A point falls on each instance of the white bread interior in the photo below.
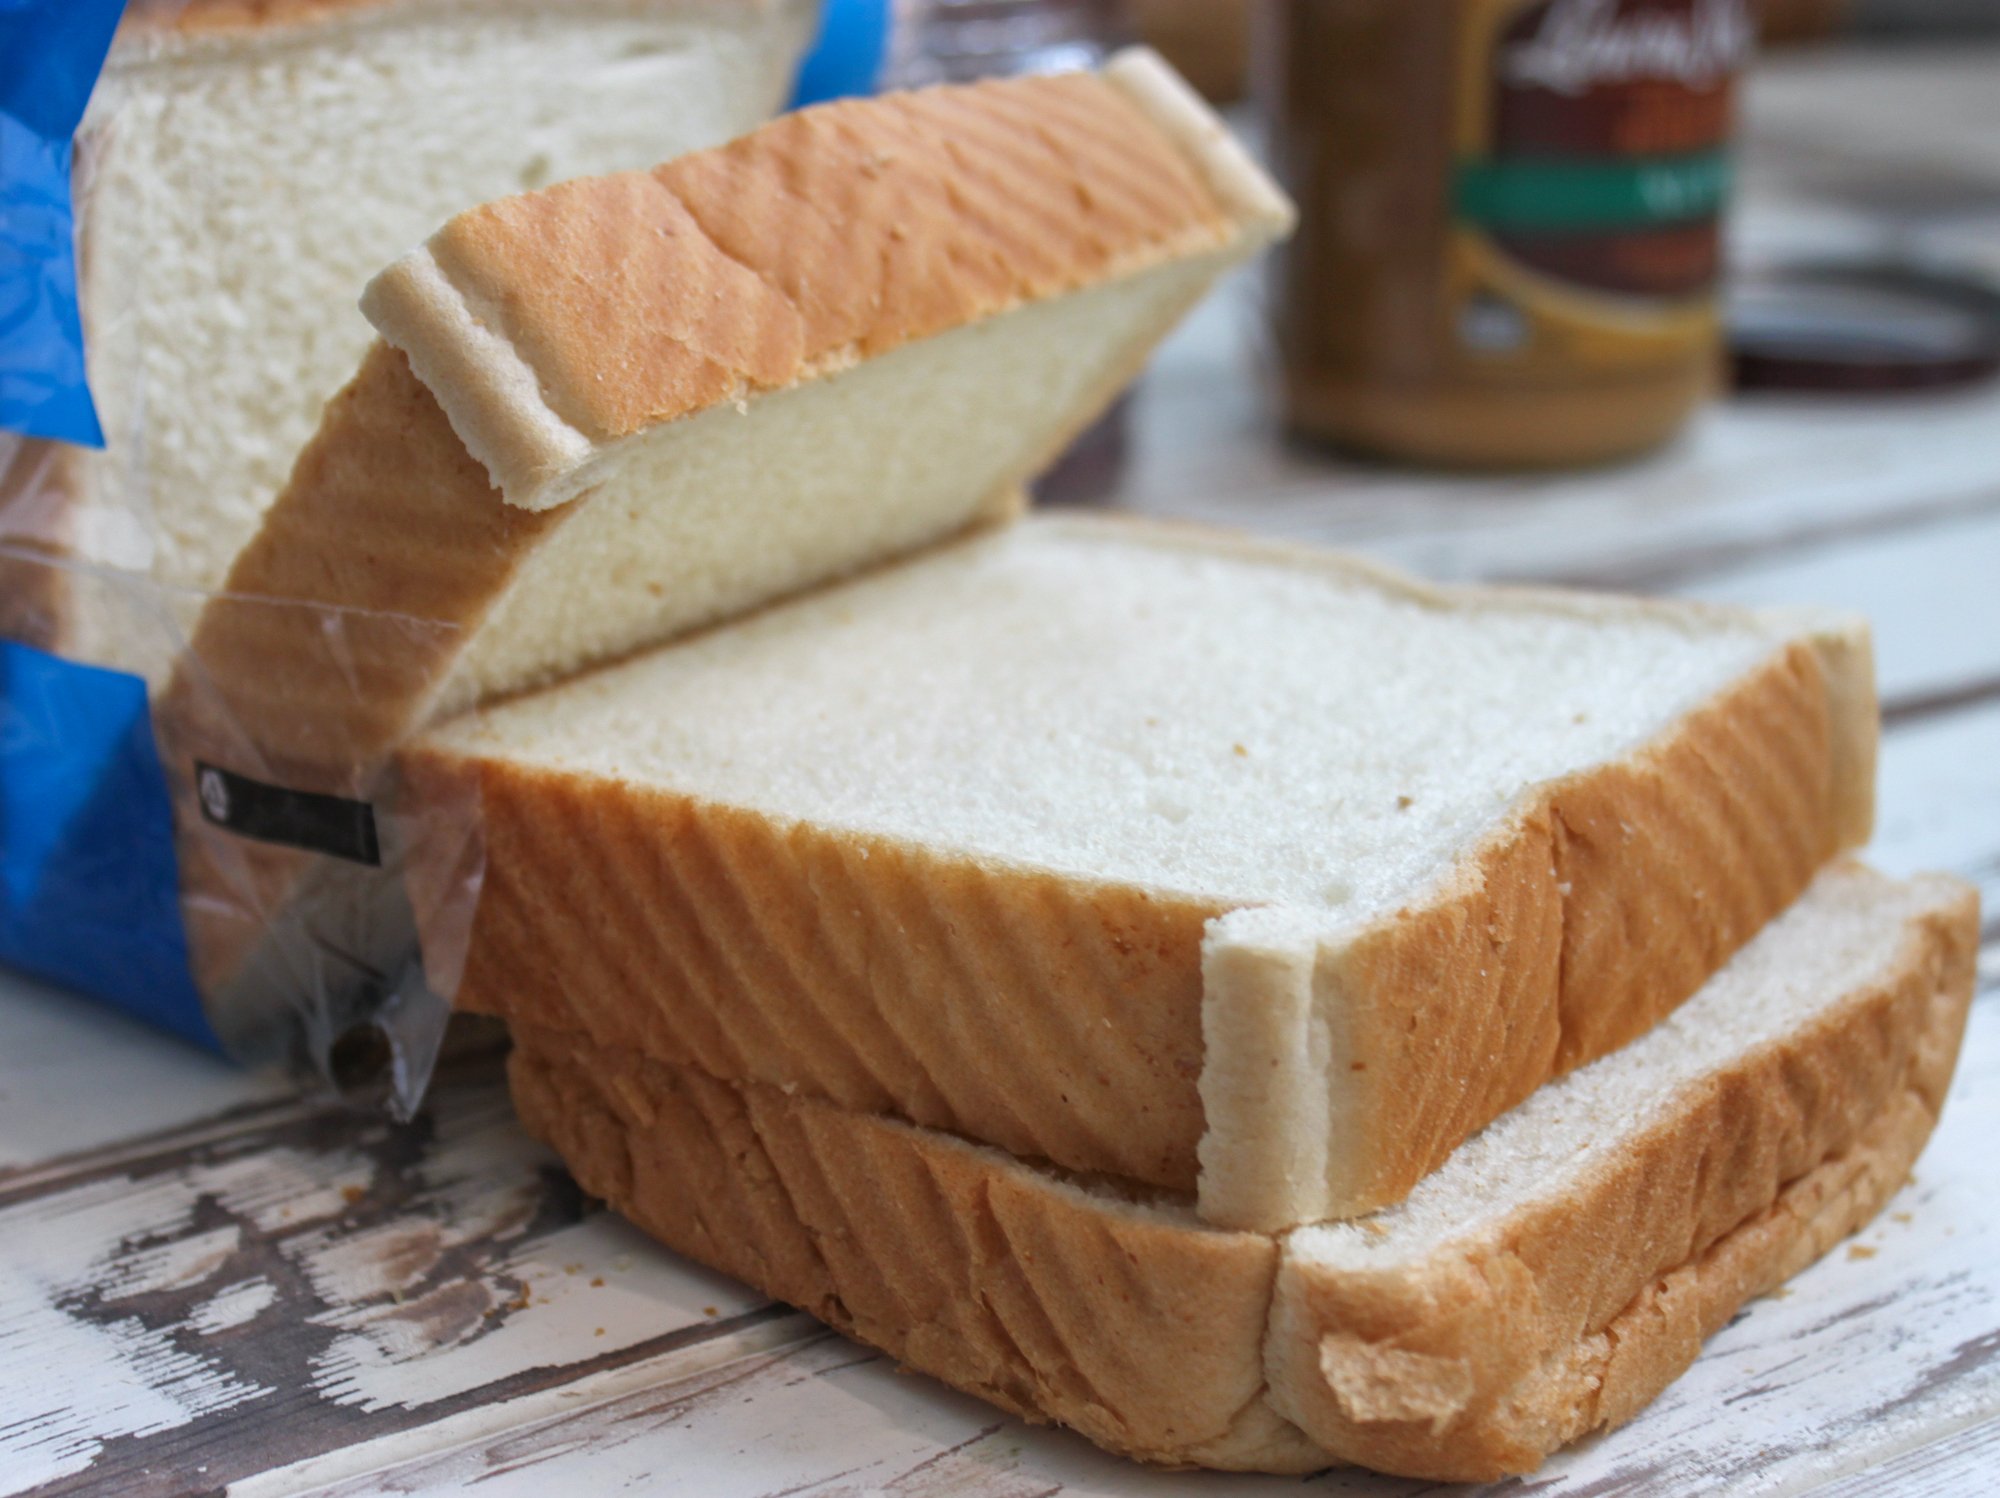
(243, 174)
(703, 518)
(1121, 818)
(1551, 1278)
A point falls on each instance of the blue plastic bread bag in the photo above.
(88, 894)
(50, 54)
(848, 55)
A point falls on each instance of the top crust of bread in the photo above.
(829, 236)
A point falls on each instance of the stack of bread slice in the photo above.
(1251, 1007)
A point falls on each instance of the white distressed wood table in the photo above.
(207, 1284)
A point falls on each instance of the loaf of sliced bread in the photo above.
(244, 167)
(1185, 859)
(1548, 1281)
(621, 408)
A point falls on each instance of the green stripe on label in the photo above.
(1634, 192)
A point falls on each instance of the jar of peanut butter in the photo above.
(1509, 239)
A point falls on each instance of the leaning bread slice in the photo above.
(620, 408)
(1548, 1281)
(1183, 859)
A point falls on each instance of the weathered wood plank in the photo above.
(74, 1075)
(248, 1296)
(1932, 593)
(1966, 1462)
(1818, 1381)
(1749, 480)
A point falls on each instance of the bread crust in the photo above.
(1070, 1020)
(1525, 1335)
(828, 236)
(1118, 1313)
(1055, 1020)
(40, 486)
(34, 599)
(1610, 899)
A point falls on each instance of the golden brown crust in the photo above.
(34, 599)
(1050, 1019)
(1590, 919)
(39, 485)
(830, 235)
(840, 232)
(1528, 1335)
(1162, 1338)
(196, 16)
(1142, 1331)
(308, 675)
(1062, 1019)
(325, 654)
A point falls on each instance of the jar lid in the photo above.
(1861, 327)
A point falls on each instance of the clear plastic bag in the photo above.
(156, 857)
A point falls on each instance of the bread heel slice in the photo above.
(1547, 1281)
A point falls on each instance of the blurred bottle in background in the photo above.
(1509, 249)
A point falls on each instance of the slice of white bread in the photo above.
(843, 336)
(1175, 857)
(244, 167)
(1548, 1281)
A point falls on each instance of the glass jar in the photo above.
(1509, 238)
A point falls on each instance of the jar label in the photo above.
(1591, 169)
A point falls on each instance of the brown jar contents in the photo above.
(1510, 221)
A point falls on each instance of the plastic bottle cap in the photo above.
(1862, 328)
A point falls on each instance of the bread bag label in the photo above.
(1591, 169)
(305, 820)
